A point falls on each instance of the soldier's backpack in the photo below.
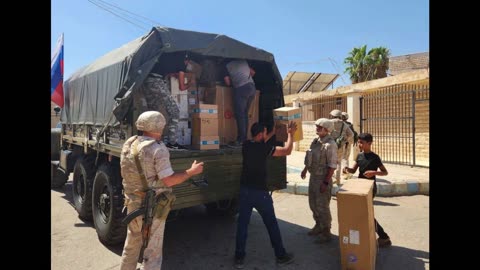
(340, 140)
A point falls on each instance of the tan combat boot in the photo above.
(315, 230)
(324, 237)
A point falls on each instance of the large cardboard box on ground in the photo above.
(283, 116)
(356, 228)
(205, 142)
(222, 96)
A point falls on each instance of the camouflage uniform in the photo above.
(346, 133)
(155, 160)
(347, 150)
(323, 156)
(157, 93)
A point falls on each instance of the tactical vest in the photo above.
(316, 158)
(131, 177)
(339, 134)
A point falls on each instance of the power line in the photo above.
(123, 14)
(138, 15)
(109, 10)
(335, 66)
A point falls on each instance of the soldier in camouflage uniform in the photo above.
(156, 90)
(348, 146)
(340, 129)
(155, 161)
(321, 161)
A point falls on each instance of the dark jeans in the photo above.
(242, 99)
(262, 201)
(378, 228)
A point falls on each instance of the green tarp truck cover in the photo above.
(102, 91)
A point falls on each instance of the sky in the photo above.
(303, 36)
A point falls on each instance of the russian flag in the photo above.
(56, 89)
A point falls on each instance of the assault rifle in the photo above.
(150, 205)
(149, 202)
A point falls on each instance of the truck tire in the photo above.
(224, 208)
(58, 175)
(108, 204)
(83, 173)
(55, 143)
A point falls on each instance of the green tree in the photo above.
(363, 66)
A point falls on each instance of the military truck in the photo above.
(100, 112)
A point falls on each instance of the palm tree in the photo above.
(379, 59)
(356, 61)
(364, 66)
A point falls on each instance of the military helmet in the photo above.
(345, 115)
(325, 123)
(151, 121)
(336, 113)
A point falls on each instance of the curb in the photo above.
(297, 186)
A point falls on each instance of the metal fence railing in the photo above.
(398, 119)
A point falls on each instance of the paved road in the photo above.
(196, 241)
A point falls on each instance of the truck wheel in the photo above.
(108, 205)
(83, 173)
(55, 143)
(227, 208)
(59, 177)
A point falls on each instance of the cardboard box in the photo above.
(192, 97)
(182, 102)
(222, 96)
(204, 111)
(356, 232)
(283, 116)
(205, 142)
(227, 124)
(184, 133)
(204, 127)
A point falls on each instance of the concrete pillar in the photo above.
(353, 110)
(297, 103)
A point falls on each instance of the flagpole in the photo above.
(56, 71)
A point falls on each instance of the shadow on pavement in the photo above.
(195, 240)
(375, 202)
(401, 258)
(67, 192)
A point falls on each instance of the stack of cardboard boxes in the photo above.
(198, 125)
(205, 127)
(227, 124)
(184, 131)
